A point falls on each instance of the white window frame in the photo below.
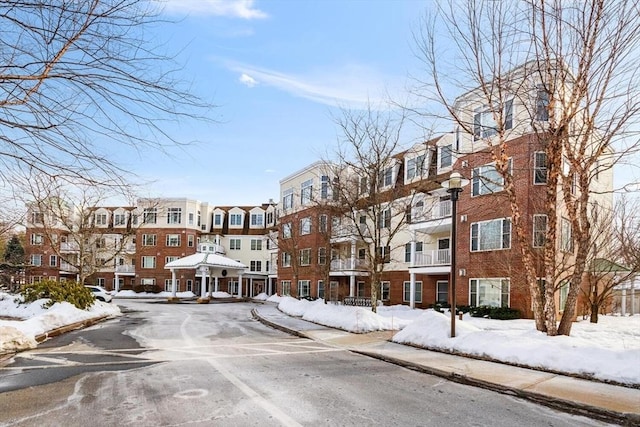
(150, 216)
(486, 179)
(439, 292)
(235, 220)
(235, 244)
(566, 235)
(539, 168)
(415, 167)
(147, 238)
(173, 240)
(148, 261)
(540, 225)
(286, 230)
(35, 260)
(406, 291)
(306, 192)
(305, 257)
(497, 285)
(285, 287)
(483, 243)
(287, 199)
(320, 289)
(257, 219)
(286, 259)
(385, 290)
(255, 266)
(484, 125)
(174, 215)
(305, 226)
(100, 218)
(256, 244)
(37, 239)
(304, 288)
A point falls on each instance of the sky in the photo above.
(279, 72)
(608, 350)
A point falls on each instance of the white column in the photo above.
(174, 284)
(251, 287)
(240, 285)
(216, 282)
(352, 285)
(117, 284)
(203, 284)
(352, 261)
(210, 284)
(412, 290)
(623, 303)
(633, 299)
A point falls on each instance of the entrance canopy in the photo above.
(208, 263)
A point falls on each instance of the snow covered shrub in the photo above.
(71, 292)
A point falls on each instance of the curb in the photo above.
(67, 328)
(568, 406)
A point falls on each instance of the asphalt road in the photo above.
(212, 365)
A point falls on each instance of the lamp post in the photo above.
(454, 187)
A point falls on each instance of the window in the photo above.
(148, 240)
(407, 250)
(286, 259)
(232, 287)
(385, 291)
(119, 219)
(323, 221)
(36, 239)
(406, 292)
(256, 244)
(169, 259)
(486, 180)
(362, 253)
(100, 281)
(101, 242)
(234, 244)
(100, 219)
(384, 253)
(305, 226)
(287, 199)
(446, 156)
(386, 177)
(324, 187)
(442, 291)
(217, 220)
(305, 256)
(190, 240)
(360, 289)
(304, 288)
(199, 218)
(415, 167)
(235, 219)
(168, 285)
(306, 191)
(191, 218)
(53, 261)
(286, 287)
(539, 230)
(320, 289)
(286, 230)
(173, 240)
(484, 125)
(566, 238)
(542, 104)
(150, 215)
(189, 285)
(257, 219)
(363, 186)
(174, 215)
(540, 167)
(384, 221)
(564, 293)
(270, 217)
(148, 282)
(491, 292)
(37, 217)
(255, 266)
(491, 235)
(322, 256)
(148, 262)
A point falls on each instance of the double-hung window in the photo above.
(305, 256)
(304, 288)
(256, 244)
(386, 177)
(491, 235)
(150, 215)
(286, 259)
(255, 266)
(174, 215)
(287, 199)
(234, 244)
(306, 191)
(305, 226)
(36, 259)
(566, 235)
(486, 179)
(324, 187)
(446, 156)
(540, 167)
(257, 220)
(542, 104)
(286, 230)
(406, 292)
(415, 167)
(539, 230)
(148, 240)
(148, 262)
(385, 219)
(484, 124)
(235, 220)
(173, 240)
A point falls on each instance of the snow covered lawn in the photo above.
(608, 350)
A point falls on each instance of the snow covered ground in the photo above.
(608, 350)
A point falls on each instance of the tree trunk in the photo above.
(594, 313)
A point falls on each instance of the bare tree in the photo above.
(573, 67)
(70, 222)
(370, 198)
(80, 79)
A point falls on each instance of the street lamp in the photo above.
(454, 187)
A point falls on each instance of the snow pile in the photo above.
(261, 297)
(33, 320)
(164, 294)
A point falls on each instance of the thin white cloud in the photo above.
(243, 9)
(247, 80)
(351, 85)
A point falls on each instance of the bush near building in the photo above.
(71, 292)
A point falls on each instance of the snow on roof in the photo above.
(204, 259)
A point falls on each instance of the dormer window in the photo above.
(257, 219)
(217, 220)
(386, 177)
(235, 219)
(415, 167)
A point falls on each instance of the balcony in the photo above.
(431, 258)
(69, 247)
(348, 264)
(125, 269)
(345, 232)
(65, 267)
(435, 218)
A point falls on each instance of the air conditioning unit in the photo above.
(462, 272)
(463, 218)
(465, 164)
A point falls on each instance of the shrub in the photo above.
(499, 313)
(152, 289)
(71, 292)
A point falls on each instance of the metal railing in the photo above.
(439, 210)
(434, 257)
(125, 269)
(348, 264)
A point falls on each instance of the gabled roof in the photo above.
(204, 259)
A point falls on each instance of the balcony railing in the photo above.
(69, 247)
(348, 264)
(439, 210)
(66, 267)
(125, 269)
(348, 230)
(434, 257)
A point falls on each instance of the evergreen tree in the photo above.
(14, 252)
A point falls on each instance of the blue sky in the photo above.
(278, 70)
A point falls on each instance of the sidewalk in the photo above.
(592, 399)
